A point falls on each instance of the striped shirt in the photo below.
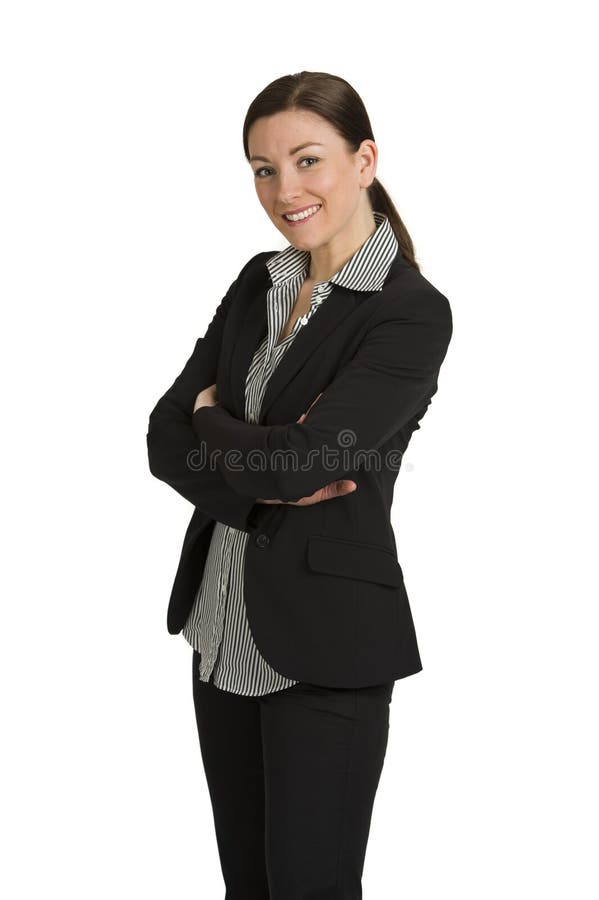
(217, 626)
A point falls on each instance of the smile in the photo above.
(304, 216)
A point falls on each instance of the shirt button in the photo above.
(320, 288)
(262, 540)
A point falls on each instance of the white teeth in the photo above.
(302, 215)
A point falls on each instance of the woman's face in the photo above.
(299, 161)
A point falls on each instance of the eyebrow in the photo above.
(291, 152)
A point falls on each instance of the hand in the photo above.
(328, 492)
(207, 397)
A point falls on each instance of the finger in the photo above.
(342, 487)
(312, 404)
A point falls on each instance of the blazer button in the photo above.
(262, 540)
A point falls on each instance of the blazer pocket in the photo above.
(353, 559)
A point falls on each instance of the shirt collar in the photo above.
(366, 270)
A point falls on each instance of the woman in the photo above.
(289, 589)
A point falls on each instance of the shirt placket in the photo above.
(318, 295)
(223, 585)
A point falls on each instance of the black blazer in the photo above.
(324, 590)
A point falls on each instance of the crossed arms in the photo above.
(392, 376)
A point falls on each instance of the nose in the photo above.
(289, 187)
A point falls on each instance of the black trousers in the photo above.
(292, 778)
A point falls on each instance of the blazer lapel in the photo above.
(339, 304)
(253, 328)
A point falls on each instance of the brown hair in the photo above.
(335, 100)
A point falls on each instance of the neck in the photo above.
(330, 257)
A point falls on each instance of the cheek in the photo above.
(264, 194)
(334, 188)
(324, 184)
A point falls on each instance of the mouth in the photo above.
(303, 216)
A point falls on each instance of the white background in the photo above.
(127, 208)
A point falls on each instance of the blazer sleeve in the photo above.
(174, 452)
(391, 377)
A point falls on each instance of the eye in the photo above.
(314, 159)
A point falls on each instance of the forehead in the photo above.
(285, 131)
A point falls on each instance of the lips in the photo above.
(294, 212)
(306, 218)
